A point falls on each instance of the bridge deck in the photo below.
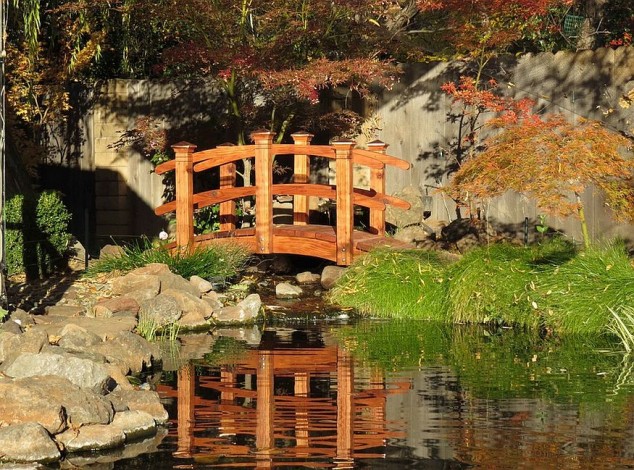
(308, 240)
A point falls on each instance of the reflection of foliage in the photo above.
(495, 363)
(226, 351)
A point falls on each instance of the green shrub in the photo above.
(578, 296)
(37, 236)
(396, 284)
(211, 261)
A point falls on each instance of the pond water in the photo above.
(395, 395)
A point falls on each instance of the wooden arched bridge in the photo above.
(340, 243)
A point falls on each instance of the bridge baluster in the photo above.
(377, 183)
(263, 198)
(227, 208)
(345, 206)
(301, 174)
(184, 193)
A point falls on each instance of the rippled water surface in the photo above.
(395, 395)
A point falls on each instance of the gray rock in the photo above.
(414, 234)
(161, 311)
(22, 317)
(28, 442)
(251, 305)
(308, 278)
(111, 251)
(203, 285)
(129, 350)
(189, 303)
(7, 342)
(135, 424)
(132, 282)
(176, 282)
(11, 326)
(330, 275)
(105, 328)
(64, 310)
(32, 341)
(142, 294)
(82, 372)
(404, 217)
(245, 311)
(77, 338)
(192, 320)
(91, 438)
(33, 407)
(284, 290)
(141, 400)
(82, 406)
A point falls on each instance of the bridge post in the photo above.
(263, 199)
(227, 208)
(184, 193)
(345, 206)
(377, 183)
(301, 174)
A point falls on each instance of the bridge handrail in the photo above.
(188, 161)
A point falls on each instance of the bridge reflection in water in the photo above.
(279, 406)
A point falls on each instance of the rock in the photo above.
(245, 311)
(404, 217)
(33, 407)
(176, 282)
(141, 400)
(77, 261)
(308, 278)
(111, 251)
(32, 341)
(64, 310)
(82, 406)
(77, 338)
(192, 320)
(132, 282)
(284, 290)
(131, 350)
(11, 326)
(28, 442)
(330, 275)
(203, 285)
(281, 264)
(135, 424)
(105, 328)
(153, 269)
(22, 317)
(107, 308)
(189, 304)
(91, 438)
(413, 234)
(6, 344)
(82, 372)
(212, 299)
(161, 311)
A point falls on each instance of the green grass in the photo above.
(497, 284)
(548, 286)
(579, 295)
(395, 284)
(223, 261)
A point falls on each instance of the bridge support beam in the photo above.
(263, 196)
(345, 206)
(184, 193)
(227, 208)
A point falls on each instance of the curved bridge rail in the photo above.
(340, 243)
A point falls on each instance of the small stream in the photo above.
(394, 394)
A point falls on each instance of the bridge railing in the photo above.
(263, 150)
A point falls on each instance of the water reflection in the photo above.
(403, 396)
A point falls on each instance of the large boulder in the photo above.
(140, 400)
(160, 311)
(330, 275)
(20, 404)
(404, 217)
(133, 282)
(245, 311)
(174, 281)
(91, 438)
(134, 424)
(77, 338)
(27, 442)
(82, 372)
(107, 308)
(130, 351)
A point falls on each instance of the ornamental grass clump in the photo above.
(498, 283)
(395, 284)
(212, 261)
(579, 296)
